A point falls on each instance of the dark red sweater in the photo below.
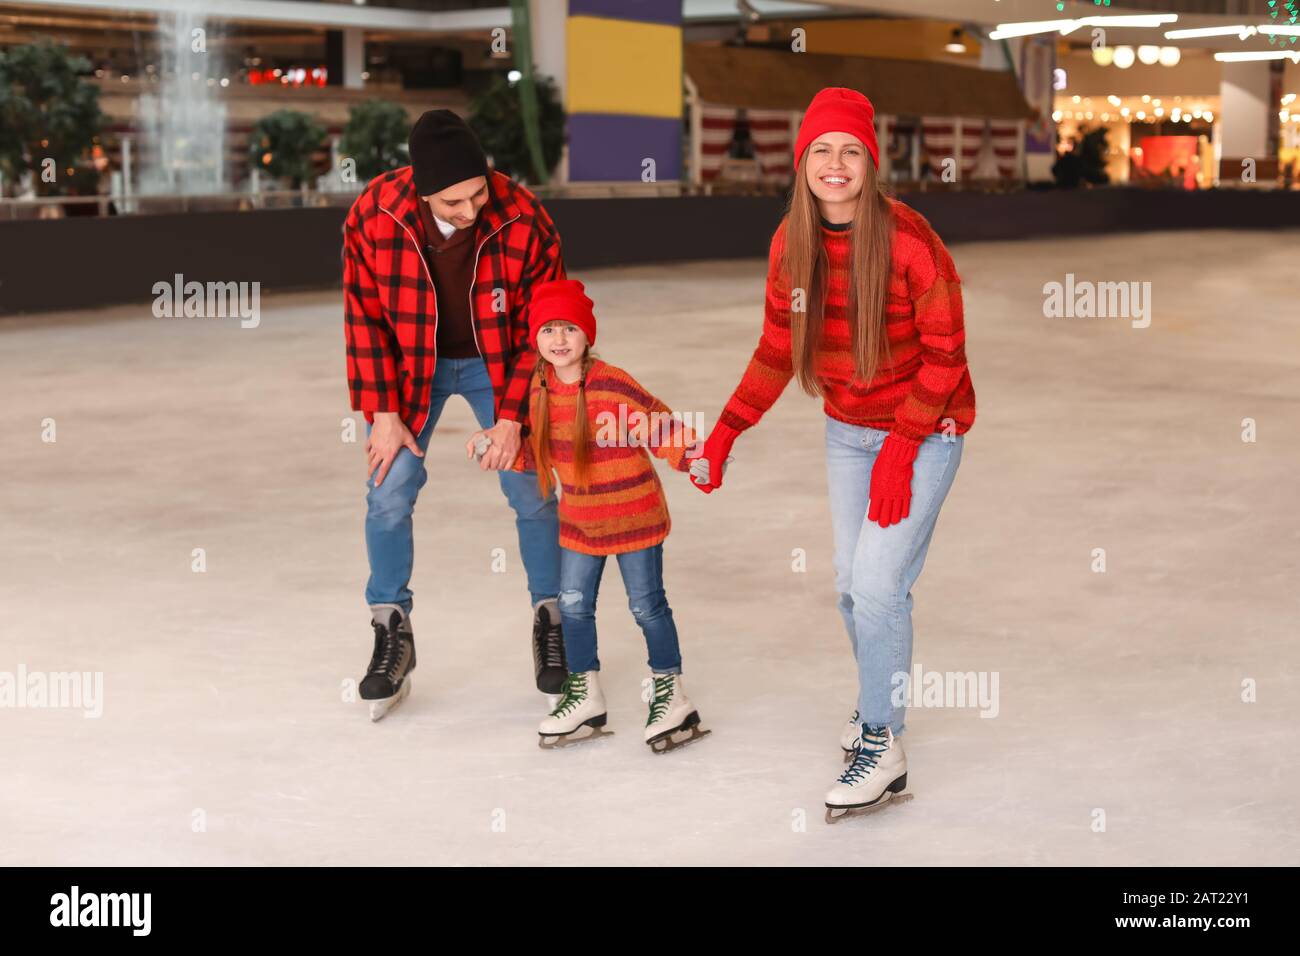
(451, 262)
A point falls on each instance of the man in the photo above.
(438, 261)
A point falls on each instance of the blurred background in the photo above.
(118, 108)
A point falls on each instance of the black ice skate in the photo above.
(549, 667)
(388, 679)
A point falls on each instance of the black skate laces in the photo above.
(388, 651)
(574, 691)
(663, 696)
(548, 640)
(865, 757)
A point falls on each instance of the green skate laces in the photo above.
(663, 696)
(865, 757)
(574, 691)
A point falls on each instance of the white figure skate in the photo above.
(876, 777)
(673, 722)
(580, 715)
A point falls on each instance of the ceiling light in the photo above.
(1280, 29)
(1293, 56)
(1242, 31)
(1066, 27)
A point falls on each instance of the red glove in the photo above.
(891, 480)
(716, 450)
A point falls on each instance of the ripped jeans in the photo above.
(643, 579)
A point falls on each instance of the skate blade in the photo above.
(839, 814)
(379, 708)
(584, 734)
(671, 742)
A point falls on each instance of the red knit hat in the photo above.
(564, 299)
(838, 110)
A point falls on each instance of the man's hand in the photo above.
(388, 436)
(501, 454)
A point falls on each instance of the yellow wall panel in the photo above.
(621, 66)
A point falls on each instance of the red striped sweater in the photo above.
(623, 508)
(928, 381)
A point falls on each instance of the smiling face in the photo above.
(561, 343)
(460, 204)
(835, 167)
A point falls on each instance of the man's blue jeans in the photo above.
(389, 541)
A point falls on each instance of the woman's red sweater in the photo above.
(927, 385)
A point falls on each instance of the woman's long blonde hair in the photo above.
(804, 266)
(539, 414)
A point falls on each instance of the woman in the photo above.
(864, 308)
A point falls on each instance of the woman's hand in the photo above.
(891, 480)
(700, 469)
(715, 453)
(388, 436)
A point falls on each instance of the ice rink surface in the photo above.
(1120, 736)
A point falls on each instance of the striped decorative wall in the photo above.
(771, 131)
(941, 135)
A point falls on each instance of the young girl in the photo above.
(591, 424)
(864, 307)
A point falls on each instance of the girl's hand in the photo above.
(502, 446)
(700, 469)
(477, 445)
(715, 453)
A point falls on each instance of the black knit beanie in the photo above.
(444, 152)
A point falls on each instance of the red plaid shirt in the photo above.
(390, 310)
